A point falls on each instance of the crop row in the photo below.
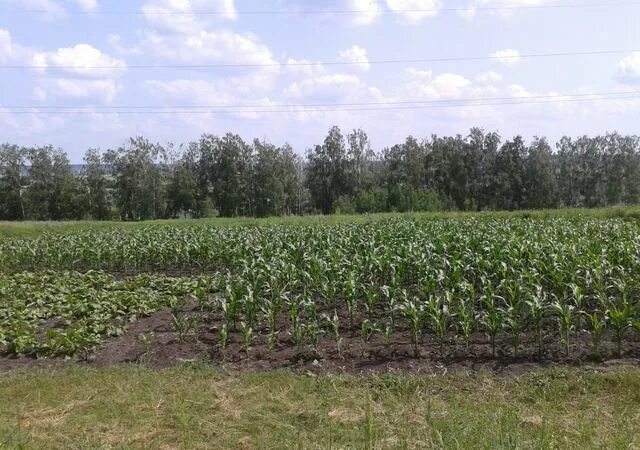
(63, 313)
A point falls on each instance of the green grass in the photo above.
(196, 407)
(26, 229)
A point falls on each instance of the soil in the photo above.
(153, 342)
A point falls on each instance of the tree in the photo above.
(139, 186)
(40, 183)
(11, 175)
(95, 186)
(509, 185)
(539, 176)
(328, 171)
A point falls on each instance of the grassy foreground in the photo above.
(187, 407)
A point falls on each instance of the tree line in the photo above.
(226, 176)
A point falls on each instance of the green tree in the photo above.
(11, 178)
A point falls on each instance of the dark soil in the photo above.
(153, 342)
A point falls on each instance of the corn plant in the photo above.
(537, 306)
(437, 315)
(565, 314)
(412, 311)
(598, 322)
(223, 334)
(621, 318)
(183, 324)
(492, 317)
(333, 325)
(247, 336)
(465, 315)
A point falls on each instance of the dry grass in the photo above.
(193, 407)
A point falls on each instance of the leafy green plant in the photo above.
(565, 314)
(620, 318)
(412, 312)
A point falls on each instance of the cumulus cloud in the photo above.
(507, 57)
(502, 8)
(356, 55)
(103, 91)
(87, 5)
(51, 7)
(368, 11)
(10, 51)
(415, 11)
(80, 60)
(209, 46)
(628, 70)
(336, 87)
(304, 67)
(177, 15)
(488, 77)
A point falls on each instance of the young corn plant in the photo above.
(412, 311)
(370, 297)
(297, 328)
(249, 305)
(492, 321)
(565, 313)
(598, 323)
(579, 301)
(437, 315)
(620, 317)
(333, 326)
(183, 324)
(271, 309)
(351, 299)
(537, 306)
(223, 334)
(367, 330)
(247, 336)
(466, 316)
(514, 323)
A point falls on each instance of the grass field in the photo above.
(193, 408)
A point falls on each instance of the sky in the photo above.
(82, 74)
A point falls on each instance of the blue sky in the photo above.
(55, 42)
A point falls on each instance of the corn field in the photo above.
(542, 286)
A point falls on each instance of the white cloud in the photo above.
(101, 90)
(356, 54)
(304, 66)
(10, 51)
(337, 87)
(79, 59)
(51, 7)
(176, 15)
(415, 11)
(87, 5)
(369, 10)
(201, 92)
(209, 46)
(507, 57)
(502, 8)
(489, 77)
(181, 36)
(628, 70)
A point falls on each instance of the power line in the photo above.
(331, 12)
(323, 105)
(470, 102)
(327, 63)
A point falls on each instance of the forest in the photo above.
(227, 176)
